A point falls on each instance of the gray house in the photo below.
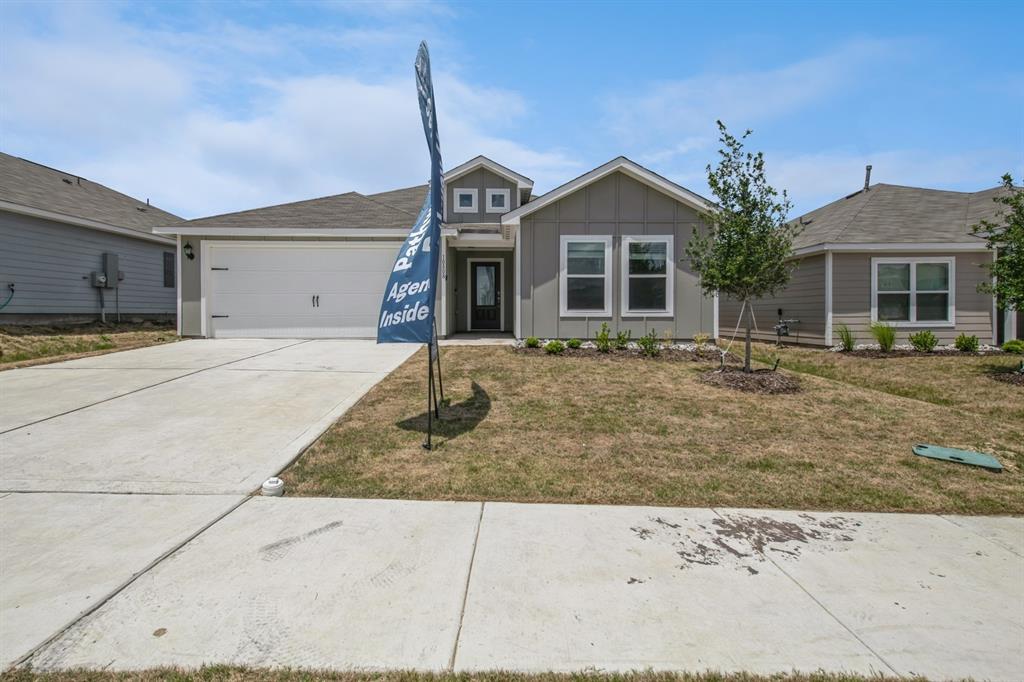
(606, 247)
(901, 255)
(74, 250)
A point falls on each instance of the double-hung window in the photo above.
(647, 276)
(585, 281)
(913, 291)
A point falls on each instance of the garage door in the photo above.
(306, 290)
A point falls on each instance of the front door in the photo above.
(485, 295)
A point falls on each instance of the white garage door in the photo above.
(300, 290)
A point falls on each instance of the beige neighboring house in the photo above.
(902, 255)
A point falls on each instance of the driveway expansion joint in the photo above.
(465, 592)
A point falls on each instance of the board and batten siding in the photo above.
(616, 205)
(851, 295)
(481, 180)
(50, 265)
(803, 299)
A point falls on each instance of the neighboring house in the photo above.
(607, 247)
(60, 232)
(902, 255)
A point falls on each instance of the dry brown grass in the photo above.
(963, 382)
(558, 429)
(238, 674)
(25, 346)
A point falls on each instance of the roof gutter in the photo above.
(83, 222)
(890, 246)
(291, 232)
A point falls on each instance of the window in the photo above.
(647, 276)
(913, 291)
(498, 200)
(168, 269)
(465, 200)
(585, 274)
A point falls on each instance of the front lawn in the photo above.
(964, 382)
(595, 430)
(33, 345)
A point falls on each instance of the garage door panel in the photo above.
(268, 291)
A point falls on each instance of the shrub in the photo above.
(701, 338)
(1014, 346)
(603, 339)
(573, 343)
(649, 344)
(846, 338)
(622, 339)
(885, 335)
(532, 342)
(924, 341)
(554, 347)
(967, 344)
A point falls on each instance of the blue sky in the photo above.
(213, 107)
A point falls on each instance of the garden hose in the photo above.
(9, 297)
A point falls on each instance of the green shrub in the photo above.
(967, 344)
(924, 341)
(573, 343)
(649, 344)
(554, 347)
(603, 339)
(701, 338)
(1014, 346)
(846, 338)
(622, 339)
(532, 342)
(885, 335)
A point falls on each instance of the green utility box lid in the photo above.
(978, 459)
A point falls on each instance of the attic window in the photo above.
(498, 200)
(465, 200)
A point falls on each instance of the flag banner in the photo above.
(407, 311)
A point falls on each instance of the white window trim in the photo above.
(951, 312)
(670, 267)
(563, 275)
(464, 209)
(507, 193)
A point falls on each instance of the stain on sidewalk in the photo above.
(277, 550)
(742, 541)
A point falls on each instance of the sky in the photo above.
(207, 108)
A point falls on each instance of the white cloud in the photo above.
(215, 129)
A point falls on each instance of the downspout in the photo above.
(828, 297)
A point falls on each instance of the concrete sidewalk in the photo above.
(378, 584)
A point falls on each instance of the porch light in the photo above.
(187, 250)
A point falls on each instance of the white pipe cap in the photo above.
(273, 487)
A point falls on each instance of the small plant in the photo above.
(1014, 346)
(554, 347)
(649, 344)
(603, 339)
(885, 335)
(846, 338)
(532, 342)
(622, 339)
(967, 344)
(924, 341)
(700, 338)
(573, 343)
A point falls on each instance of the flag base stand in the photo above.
(433, 407)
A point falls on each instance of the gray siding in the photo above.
(50, 264)
(460, 299)
(480, 179)
(803, 299)
(851, 296)
(615, 205)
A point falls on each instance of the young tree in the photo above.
(744, 250)
(1005, 236)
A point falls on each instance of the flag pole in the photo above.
(440, 383)
(430, 398)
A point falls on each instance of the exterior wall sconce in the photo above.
(187, 250)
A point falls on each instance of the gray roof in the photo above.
(897, 214)
(36, 186)
(396, 209)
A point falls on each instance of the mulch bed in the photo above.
(899, 353)
(764, 381)
(666, 354)
(1012, 378)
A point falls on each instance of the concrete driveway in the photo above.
(195, 417)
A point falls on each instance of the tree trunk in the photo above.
(746, 353)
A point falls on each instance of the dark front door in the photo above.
(485, 296)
